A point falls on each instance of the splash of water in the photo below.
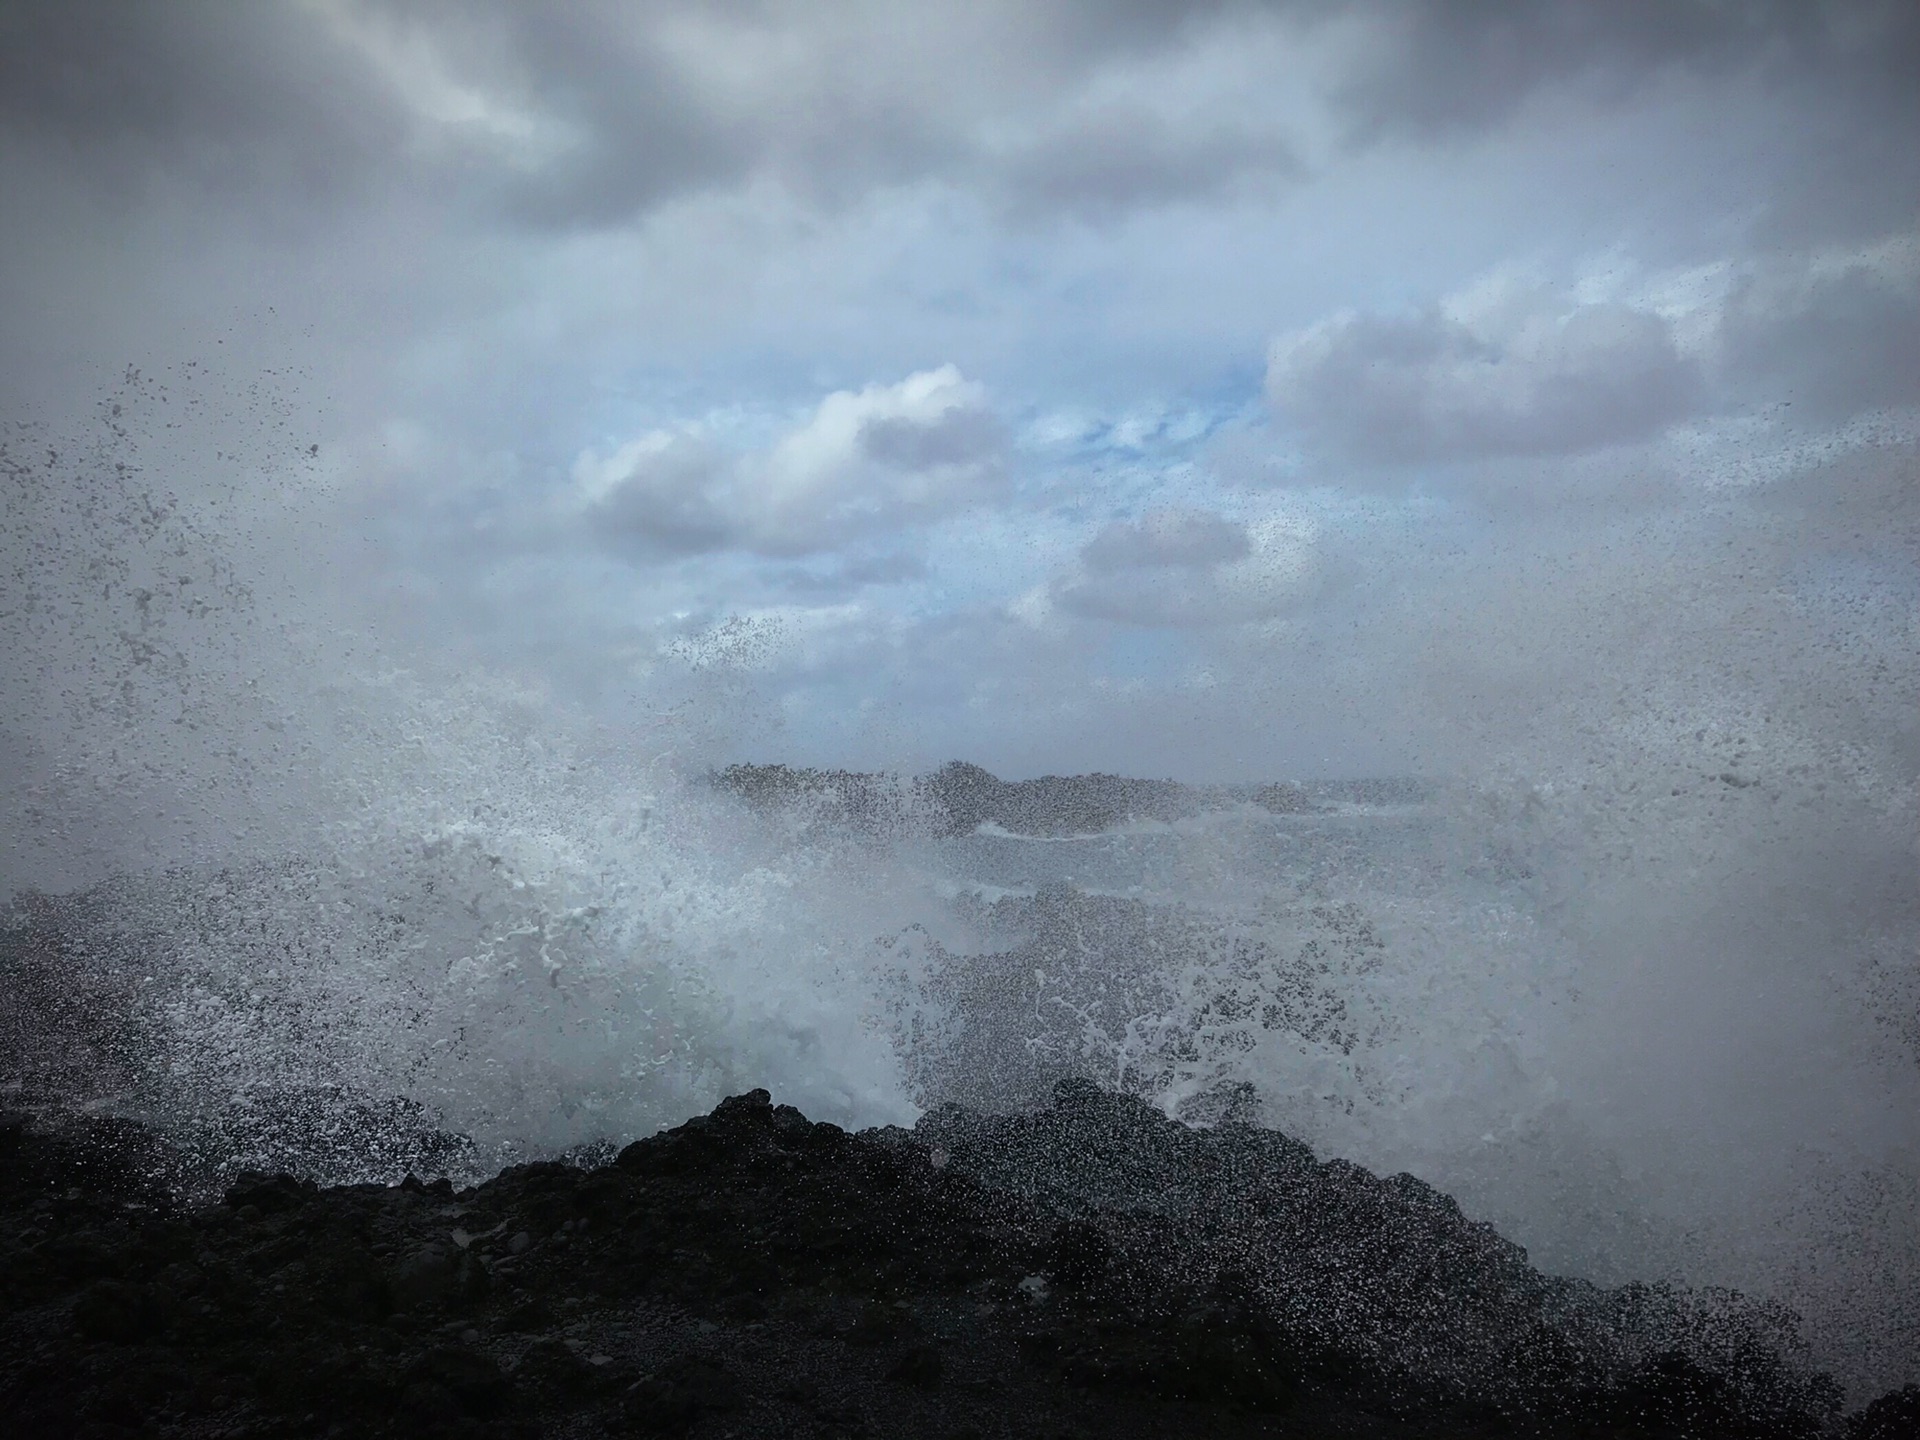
(337, 874)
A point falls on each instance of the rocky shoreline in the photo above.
(1088, 1270)
(958, 798)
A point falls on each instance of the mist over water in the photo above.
(1629, 970)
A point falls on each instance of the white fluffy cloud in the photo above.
(866, 461)
(1510, 369)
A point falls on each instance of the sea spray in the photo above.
(338, 873)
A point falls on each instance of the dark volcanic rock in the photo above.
(963, 797)
(1325, 1268)
(1091, 1269)
(959, 797)
(1888, 1418)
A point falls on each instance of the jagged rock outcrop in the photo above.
(1091, 1269)
(960, 797)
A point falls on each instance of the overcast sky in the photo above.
(1216, 388)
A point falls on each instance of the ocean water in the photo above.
(1634, 980)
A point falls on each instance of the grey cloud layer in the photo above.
(1516, 371)
(590, 113)
(1468, 63)
(1841, 80)
(1433, 387)
(1183, 569)
(1833, 343)
(227, 94)
(1116, 158)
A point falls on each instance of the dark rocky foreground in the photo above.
(1092, 1269)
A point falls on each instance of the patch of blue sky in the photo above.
(1146, 429)
(986, 558)
(1137, 656)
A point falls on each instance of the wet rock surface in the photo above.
(1092, 1269)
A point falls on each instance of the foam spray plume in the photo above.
(305, 874)
(1633, 978)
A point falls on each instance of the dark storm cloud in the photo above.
(1433, 388)
(660, 101)
(230, 94)
(669, 98)
(640, 128)
(1841, 81)
(587, 114)
(1458, 64)
(636, 104)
